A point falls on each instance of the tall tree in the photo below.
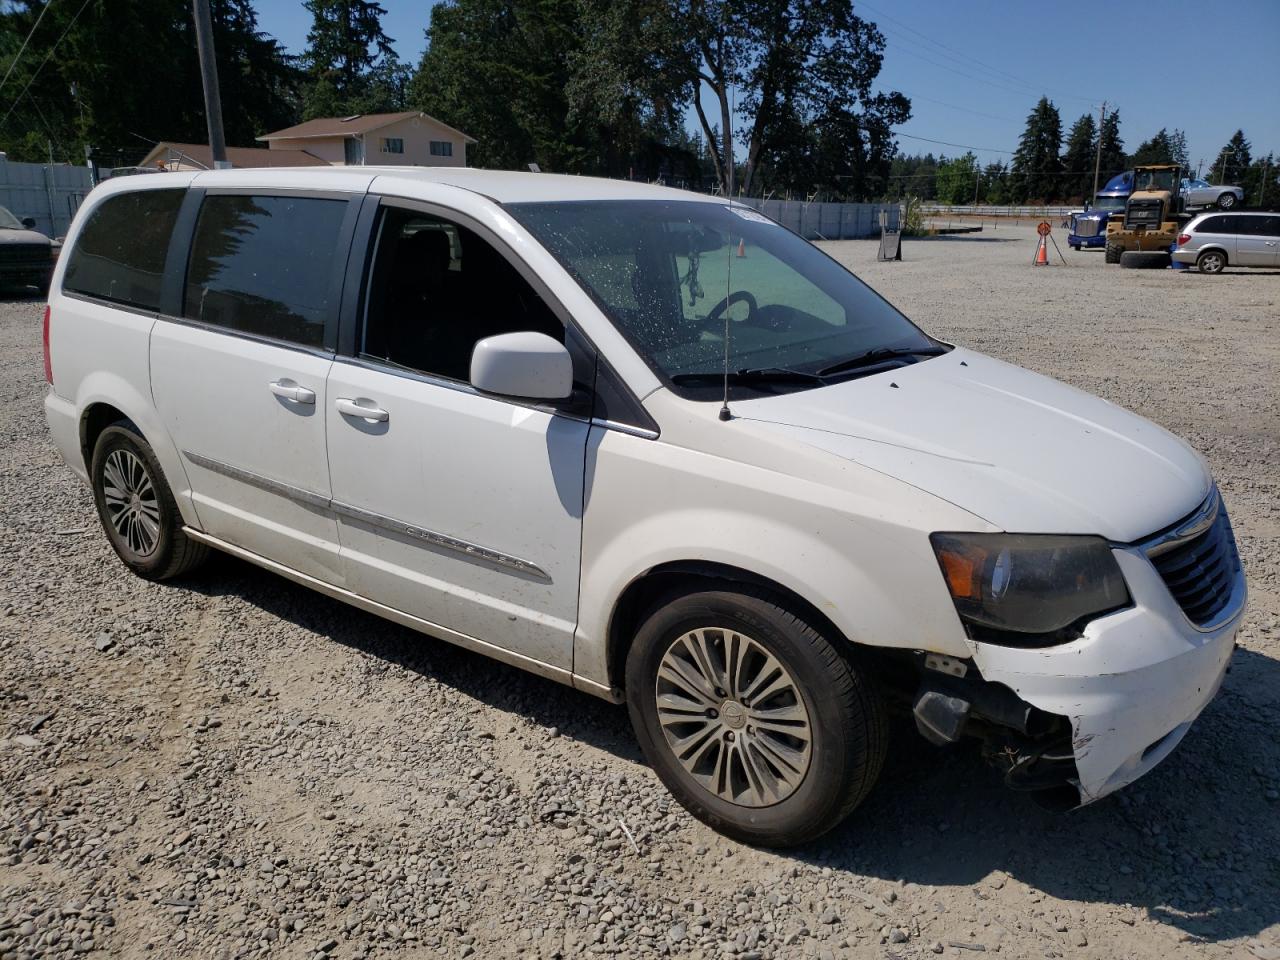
(1078, 161)
(1159, 149)
(1111, 157)
(89, 92)
(958, 179)
(1233, 160)
(994, 185)
(350, 63)
(1178, 149)
(1036, 163)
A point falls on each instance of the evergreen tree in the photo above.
(994, 184)
(957, 179)
(350, 64)
(1036, 163)
(1111, 159)
(1078, 161)
(1233, 160)
(1178, 149)
(1262, 182)
(1159, 149)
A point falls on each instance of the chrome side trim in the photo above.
(470, 551)
(463, 548)
(626, 428)
(1190, 528)
(466, 641)
(257, 480)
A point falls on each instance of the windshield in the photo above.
(676, 276)
(8, 221)
(1109, 203)
(1155, 180)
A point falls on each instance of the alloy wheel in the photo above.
(130, 498)
(733, 716)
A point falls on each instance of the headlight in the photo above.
(1029, 590)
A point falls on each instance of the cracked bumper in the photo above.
(1131, 686)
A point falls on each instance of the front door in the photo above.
(240, 378)
(460, 509)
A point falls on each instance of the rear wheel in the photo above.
(1145, 259)
(1211, 261)
(1226, 201)
(756, 724)
(1113, 251)
(137, 508)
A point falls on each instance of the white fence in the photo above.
(984, 210)
(827, 221)
(49, 193)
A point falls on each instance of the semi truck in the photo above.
(1088, 227)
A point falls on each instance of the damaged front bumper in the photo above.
(1131, 686)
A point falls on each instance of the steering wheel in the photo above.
(723, 305)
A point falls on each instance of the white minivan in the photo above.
(654, 446)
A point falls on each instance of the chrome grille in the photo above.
(25, 252)
(1199, 567)
(1086, 227)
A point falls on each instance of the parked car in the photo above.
(26, 256)
(515, 412)
(1202, 193)
(1214, 241)
(1088, 227)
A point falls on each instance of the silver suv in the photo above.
(1213, 241)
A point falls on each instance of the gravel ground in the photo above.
(233, 766)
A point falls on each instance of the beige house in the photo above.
(197, 156)
(397, 139)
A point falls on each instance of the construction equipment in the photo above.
(1153, 216)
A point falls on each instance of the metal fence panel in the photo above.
(827, 221)
(49, 193)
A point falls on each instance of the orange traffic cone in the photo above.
(1042, 254)
(742, 248)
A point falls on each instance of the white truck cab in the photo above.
(652, 445)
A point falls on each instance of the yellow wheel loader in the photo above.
(1153, 216)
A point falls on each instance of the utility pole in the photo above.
(977, 175)
(1262, 192)
(209, 78)
(1097, 159)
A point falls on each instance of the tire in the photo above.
(846, 728)
(1074, 246)
(1227, 200)
(1211, 261)
(136, 506)
(1113, 252)
(1145, 259)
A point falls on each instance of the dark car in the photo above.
(26, 256)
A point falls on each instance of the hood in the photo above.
(22, 236)
(1024, 452)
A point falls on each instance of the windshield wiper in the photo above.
(758, 375)
(879, 355)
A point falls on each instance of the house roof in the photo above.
(353, 126)
(199, 154)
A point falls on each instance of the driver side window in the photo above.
(435, 289)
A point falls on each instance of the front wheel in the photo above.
(1211, 261)
(1226, 201)
(751, 718)
(137, 508)
(1113, 252)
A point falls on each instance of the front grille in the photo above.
(24, 252)
(1143, 213)
(1200, 572)
(1086, 227)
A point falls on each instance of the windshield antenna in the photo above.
(728, 272)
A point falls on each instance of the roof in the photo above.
(200, 155)
(504, 186)
(353, 126)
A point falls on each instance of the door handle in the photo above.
(290, 390)
(364, 409)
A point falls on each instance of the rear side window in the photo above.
(266, 265)
(1253, 226)
(120, 252)
(1219, 224)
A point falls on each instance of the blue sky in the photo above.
(974, 69)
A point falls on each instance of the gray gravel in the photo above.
(233, 766)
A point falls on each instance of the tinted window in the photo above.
(1253, 226)
(437, 288)
(266, 265)
(120, 252)
(1220, 224)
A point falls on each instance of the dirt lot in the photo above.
(233, 766)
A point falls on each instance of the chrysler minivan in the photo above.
(656, 447)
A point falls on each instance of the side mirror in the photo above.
(1087, 206)
(525, 365)
(29, 222)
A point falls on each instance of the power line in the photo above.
(948, 143)
(954, 106)
(62, 37)
(18, 56)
